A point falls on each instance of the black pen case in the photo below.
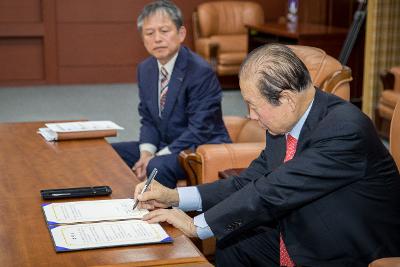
(75, 192)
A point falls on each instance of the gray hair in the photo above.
(167, 7)
(275, 68)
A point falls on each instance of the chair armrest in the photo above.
(213, 158)
(338, 83)
(204, 46)
(208, 50)
(386, 262)
(191, 164)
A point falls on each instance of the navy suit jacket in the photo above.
(336, 203)
(192, 114)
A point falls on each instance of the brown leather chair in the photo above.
(203, 165)
(220, 34)
(387, 101)
(394, 144)
(248, 139)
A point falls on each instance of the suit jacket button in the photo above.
(229, 227)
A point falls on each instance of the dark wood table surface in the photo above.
(28, 164)
(298, 31)
(328, 38)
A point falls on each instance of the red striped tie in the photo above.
(164, 88)
(284, 257)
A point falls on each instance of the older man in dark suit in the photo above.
(324, 192)
(180, 98)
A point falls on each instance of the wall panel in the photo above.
(98, 10)
(96, 74)
(97, 40)
(21, 41)
(13, 51)
(96, 44)
(81, 41)
(20, 11)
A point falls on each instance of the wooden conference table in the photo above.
(28, 163)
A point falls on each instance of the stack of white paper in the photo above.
(79, 130)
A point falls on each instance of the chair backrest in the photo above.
(244, 130)
(228, 17)
(326, 72)
(394, 142)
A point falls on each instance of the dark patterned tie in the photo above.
(164, 88)
(284, 257)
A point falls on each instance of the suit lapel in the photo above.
(152, 85)
(316, 113)
(175, 84)
(277, 154)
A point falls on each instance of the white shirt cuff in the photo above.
(164, 151)
(189, 198)
(148, 147)
(202, 228)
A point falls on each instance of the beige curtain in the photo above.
(382, 45)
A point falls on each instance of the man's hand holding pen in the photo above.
(158, 197)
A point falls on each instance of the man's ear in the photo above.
(182, 33)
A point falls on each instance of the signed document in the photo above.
(91, 211)
(101, 223)
(106, 234)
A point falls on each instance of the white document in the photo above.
(83, 126)
(106, 234)
(91, 211)
(48, 134)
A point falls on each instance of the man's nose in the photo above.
(157, 36)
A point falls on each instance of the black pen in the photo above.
(146, 185)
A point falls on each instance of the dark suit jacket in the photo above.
(192, 114)
(337, 202)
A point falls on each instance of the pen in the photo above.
(146, 185)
